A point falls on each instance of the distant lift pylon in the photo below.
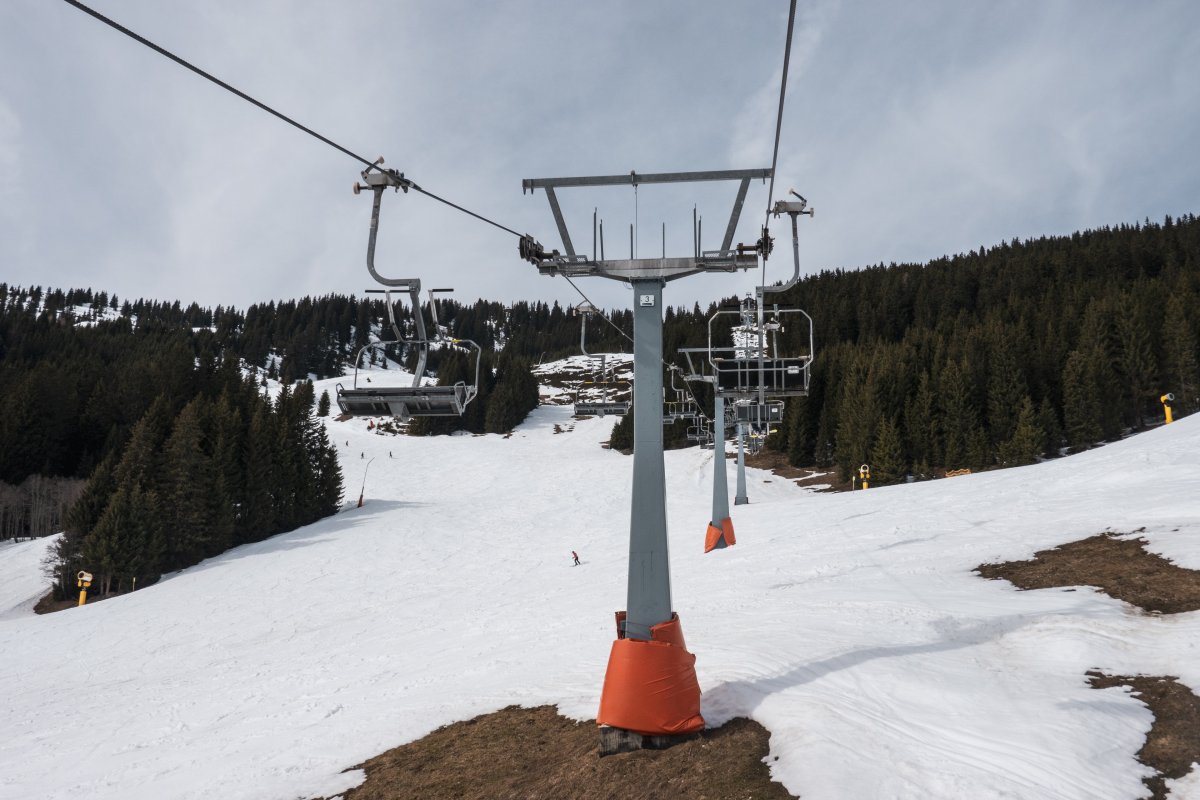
(415, 400)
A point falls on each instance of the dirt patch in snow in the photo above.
(536, 753)
(1173, 744)
(1121, 568)
(48, 604)
(777, 463)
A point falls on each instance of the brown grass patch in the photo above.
(531, 753)
(1173, 744)
(48, 605)
(1121, 568)
(777, 462)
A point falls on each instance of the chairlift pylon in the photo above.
(415, 400)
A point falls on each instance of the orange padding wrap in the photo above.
(719, 537)
(650, 687)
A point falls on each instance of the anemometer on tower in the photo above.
(416, 400)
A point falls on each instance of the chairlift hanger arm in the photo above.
(794, 209)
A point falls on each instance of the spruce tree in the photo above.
(1081, 407)
(323, 404)
(887, 458)
(1027, 441)
(1006, 387)
(1138, 368)
(858, 417)
(1181, 370)
(327, 473)
(200, 522)
(260, 518)
(958, 416)
(920, 427)
(1052, 435)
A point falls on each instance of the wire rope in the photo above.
(787, 57)
(259, 104)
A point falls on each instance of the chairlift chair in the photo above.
(754, 367)
(681, 406)
(415, 400)
(609, 389)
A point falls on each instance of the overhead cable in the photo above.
(787, 56)
(183, 63)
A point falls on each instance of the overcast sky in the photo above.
(914, 129)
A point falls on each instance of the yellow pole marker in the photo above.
(1166, 400)
(83, 580)
(864, 473)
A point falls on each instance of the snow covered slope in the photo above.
(850, 625)
(22, 583)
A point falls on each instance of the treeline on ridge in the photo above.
(1000, 356)
(988, 358)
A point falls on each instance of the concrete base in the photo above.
(741, 501)
(618, 740)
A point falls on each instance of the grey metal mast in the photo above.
(741, 499)
(648, 600)
(720, 506)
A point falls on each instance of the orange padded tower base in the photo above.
(650, 686)
(719, 537)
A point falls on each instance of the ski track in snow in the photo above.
(850, 625)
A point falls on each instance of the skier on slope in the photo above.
(575, 556)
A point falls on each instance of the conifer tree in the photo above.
(1181, 370)
(100, 549)
(327, 473)
(1138, 368)
(260, 518)
(1006, 387)
(858, 417)
(200, 521)
(1081, 407)
(921, 428)
(323, 404)
(1027, 441)
(1052, 435)
(958, 416)
(887, 459)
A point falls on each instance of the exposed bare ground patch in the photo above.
(1173, 744)
(531, 753)
(1121, 568)
(48, 605)
(777, 463)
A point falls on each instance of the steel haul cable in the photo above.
(183, 63)
(787, 57)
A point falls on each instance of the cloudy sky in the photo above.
(914, 129)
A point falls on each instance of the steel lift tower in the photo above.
(650, 688)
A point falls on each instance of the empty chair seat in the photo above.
(404, 402)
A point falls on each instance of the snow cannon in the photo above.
(83, 580)
(1166, 400)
